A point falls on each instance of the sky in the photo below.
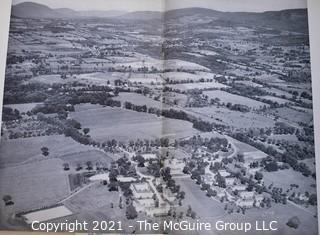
(160, 5)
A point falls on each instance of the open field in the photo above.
(36, 185)
(226, 97)
(198, 85)
(81, 158)
(292, 115)
(283, 179)
(94, 203)
(278, 212)
(138, 99)
(205, 207)
(123, 125)
(233, 118)
(181, 76)
(275, 99)
(29, 149)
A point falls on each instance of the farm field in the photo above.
(124, 125)
(275, 99)
(140, 78)
(91, 204)
(278, 212)
(198, 85)
(233, 118)
(45, 177)
(292, 115)
(29, 149)
(205, 207)
(283, 179)
(139, 99)
(94, 156)
(250, 83)
(182, 76)
(226, 97)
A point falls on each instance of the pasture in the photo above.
(124, 125)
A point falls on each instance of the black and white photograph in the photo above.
(158, 117)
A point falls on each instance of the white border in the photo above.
(314, 19)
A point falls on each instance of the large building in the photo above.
(141, 190)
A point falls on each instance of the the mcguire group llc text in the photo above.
(146, 226)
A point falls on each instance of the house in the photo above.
(240, 187)
(162, 210)
(149, 156)
(176, 166)
(230, 181)
(141, 190)
(168, 195)
(245, 203)
(208, 179)
(245, 195)
(253, 171)
(125, 179)
(141, 204)
(221, 193)
(258, 198)
(224, 173)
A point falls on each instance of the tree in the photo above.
(45, 151)
(294, 222)
(86, 131)
(313, 199)
(258, 176)
(66, 166)
(131, 212)
(7, 200)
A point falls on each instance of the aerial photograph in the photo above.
(160, 111)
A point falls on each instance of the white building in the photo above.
(245, 195)
(245, 203)
(230, 181)
(141, 190)
(176, 166)
(224, 173)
